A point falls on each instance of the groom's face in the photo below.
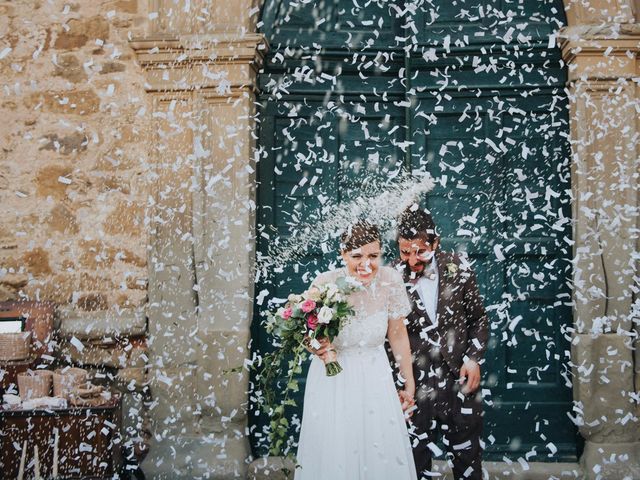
(416, 253)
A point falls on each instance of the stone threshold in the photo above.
(271, 468)
(516, 471)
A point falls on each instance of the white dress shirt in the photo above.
(428, 289)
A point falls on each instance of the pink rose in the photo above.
(312, 321)
(286, 313)
(308, 306)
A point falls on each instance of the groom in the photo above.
(448, 332)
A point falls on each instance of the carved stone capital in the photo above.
(583, 12)
(601, 52)
(192, 62)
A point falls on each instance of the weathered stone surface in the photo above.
(127, 6)
(91, 281)
(97, 325)
(69, 67)
(58, 288)
(112, 356)
(113, 183)
(14, 280)
(603, 384)
(271, 468)
(127, 218)
(132, 379)
(96, 254)
(48, 183)
(37, 261)
(81, 31)
(76, 142)
(62, 220)
(132, 299)
(137, 283)
(173, 391)
(222, 376)
(128, 359)
(133, 259)
(116, 159)
(598, 12)
(7, 294)
(611, 461)
(198, 456)
(92, 302)
(135, 422)
(112, 67)
(78, 102)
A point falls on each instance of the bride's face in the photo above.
(363, 262)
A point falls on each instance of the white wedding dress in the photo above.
(352, 425)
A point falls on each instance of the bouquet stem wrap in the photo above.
(331, 365)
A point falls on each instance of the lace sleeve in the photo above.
(398, 305)
(321, 279)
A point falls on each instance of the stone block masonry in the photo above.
(74, 182)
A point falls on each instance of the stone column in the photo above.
(601, 47)
(202, 229)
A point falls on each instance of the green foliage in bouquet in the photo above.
(317, 313)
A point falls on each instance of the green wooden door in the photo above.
(485, 114)
(510, 212)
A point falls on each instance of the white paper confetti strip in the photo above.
(77, 343)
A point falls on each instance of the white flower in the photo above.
(312, 294)
(452, 269)
(293, 298)
(337, 298)
(333, 292)
(325, 315)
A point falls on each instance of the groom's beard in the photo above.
(420, 267)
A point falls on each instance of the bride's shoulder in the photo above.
(328, 276)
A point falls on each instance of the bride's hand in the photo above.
(325, 345)
(407, 402)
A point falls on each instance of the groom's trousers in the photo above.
(443, 410)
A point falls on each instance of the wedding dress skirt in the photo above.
(353, 426)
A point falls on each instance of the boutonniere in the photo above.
(452, 270)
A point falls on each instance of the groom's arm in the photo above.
(476, 320)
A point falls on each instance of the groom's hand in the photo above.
(471, 372)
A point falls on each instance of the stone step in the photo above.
(275, 468)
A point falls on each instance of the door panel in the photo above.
(503, 199)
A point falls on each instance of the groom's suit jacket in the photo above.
(460, 330)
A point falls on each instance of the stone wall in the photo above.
(74, 182)
(129, 139)
(72, 166)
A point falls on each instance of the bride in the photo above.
(353, 425)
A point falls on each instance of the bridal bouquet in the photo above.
(317, 313)
(305, 318)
